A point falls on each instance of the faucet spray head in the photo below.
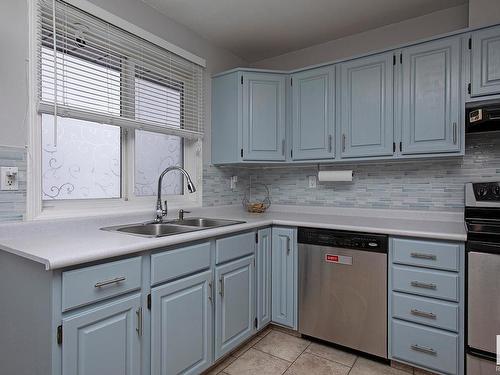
(190, 186)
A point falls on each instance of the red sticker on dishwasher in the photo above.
(339, 259)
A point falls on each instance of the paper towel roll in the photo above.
(333, 176)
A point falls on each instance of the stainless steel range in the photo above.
(482, 217)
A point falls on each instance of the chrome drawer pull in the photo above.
(424, 256)
(418, 284)
(423, 349)
(423, 314)
(109, 282)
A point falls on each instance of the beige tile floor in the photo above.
(276, 351)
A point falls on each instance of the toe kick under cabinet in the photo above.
(426, 304)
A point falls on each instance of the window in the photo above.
(114, 110)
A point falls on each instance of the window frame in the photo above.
(37, 208)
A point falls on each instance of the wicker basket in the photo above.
(255, 205)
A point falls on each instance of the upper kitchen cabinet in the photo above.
(431, 98)
(248, 117)
(313, 118)
(366, 110)
(485, 62)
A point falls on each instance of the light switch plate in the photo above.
(312, 182)
(9, 178)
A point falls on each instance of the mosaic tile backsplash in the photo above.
(436, 185)
(13, 203)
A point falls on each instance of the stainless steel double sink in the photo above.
(169, 228)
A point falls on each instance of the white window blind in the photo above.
(91, 70)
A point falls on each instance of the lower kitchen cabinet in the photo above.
(104, 339)
(284, 277)
(263, 258)
(181, 326)
(234, 304)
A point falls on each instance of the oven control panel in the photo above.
(487, 191)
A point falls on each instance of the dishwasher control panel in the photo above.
(343, 239)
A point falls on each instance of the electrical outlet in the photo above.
(233, 181)
(9, 178)
(312, 182)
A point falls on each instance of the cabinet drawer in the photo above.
(424, 346)
(234, 247)
(440, 255)
(86, 285)
(430, 283)
(171, 264)
(426, 311)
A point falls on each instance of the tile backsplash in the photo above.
(436, 184)
(13, 203)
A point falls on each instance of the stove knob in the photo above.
(496, 190)
(483, 192)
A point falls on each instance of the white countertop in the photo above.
(63, 243)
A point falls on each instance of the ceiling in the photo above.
(259, 29)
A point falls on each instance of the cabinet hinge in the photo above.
(241, 152)
(400, 58)
(256, 237)
(400, 146)
(149, 301)
(393, 147)
(59, 335)
(241, 79)
(470, 43)
(291, 81)
(291, 153)
(468, 88)
(394, 60)
(255, 323)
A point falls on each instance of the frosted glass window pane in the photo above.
(153, 153)
(86, 162)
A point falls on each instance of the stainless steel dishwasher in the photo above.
(343, 288)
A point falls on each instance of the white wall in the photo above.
(14, 35)
(384, 37)
(484, 12)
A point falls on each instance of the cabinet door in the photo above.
(367, 106)
(263, 116)
(104, 340)
(313, 114)
(485, 64)
(284, 277)
(235, 306)
(431, 97)
(181, 326)
(264, 277)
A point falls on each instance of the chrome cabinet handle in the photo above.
(283, 147)
(139, 328)
(330, 143)
(455, 133)
(116, 280)
(210, 293)
(288, 246)
(221, 291)
(423, 314)
(423, 349)
(419, 284)
(423, 256)
(343, 142)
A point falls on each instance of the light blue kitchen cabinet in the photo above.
(264, 282)
(313, 118)
(234, 304)
(181, 326)
(263, 116)
(431, 98)
(284, 277)
(248, 117)
(366, 110)
(104, 339)
(485, 62)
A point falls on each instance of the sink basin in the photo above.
(151, 229)
(170, 228)
(203, 222)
